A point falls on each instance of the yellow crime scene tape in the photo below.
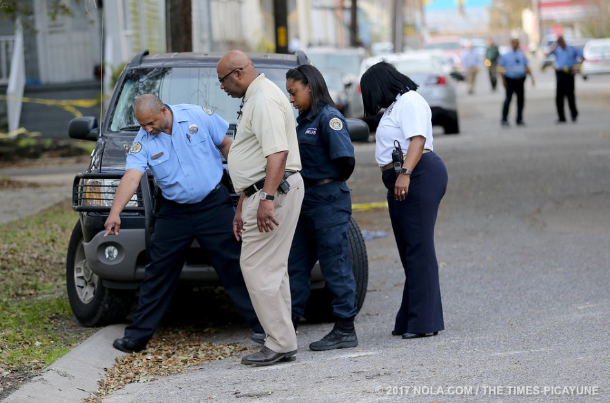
(369, 206)
(15, 133)
(66, 104)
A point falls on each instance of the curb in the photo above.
(73, 377)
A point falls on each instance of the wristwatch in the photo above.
(406, 171)
(265, 196)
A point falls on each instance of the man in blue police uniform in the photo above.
(327, 155)
(179, 145)
(514, 68)
(567, 59)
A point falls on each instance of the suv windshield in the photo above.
(180, 85)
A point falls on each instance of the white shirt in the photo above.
(408, 116)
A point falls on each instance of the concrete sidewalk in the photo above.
(54, 185)
(73, 377)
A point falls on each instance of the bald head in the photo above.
(514, 43)
(147, 102)
(235, 73)
(152, 115)
(234, 59)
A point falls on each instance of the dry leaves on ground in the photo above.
(170, 353)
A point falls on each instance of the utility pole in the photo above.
(398, 26)
(353, 24)
(280, 16)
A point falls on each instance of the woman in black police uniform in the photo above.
(415, 190)
(327, 156)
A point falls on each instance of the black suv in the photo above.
(103, 274)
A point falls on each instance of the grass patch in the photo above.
(36, 323)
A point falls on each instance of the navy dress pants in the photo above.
(177, 225)
(565, 89)
(413, 221)
(322, 235)
(514, 86)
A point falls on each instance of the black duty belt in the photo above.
(255, 187)
(391, 164)
(318, 182)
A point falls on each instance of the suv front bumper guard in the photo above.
(89, 194)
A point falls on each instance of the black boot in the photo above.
(343, 335)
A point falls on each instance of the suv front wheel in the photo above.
(319, 307)
(92, 303)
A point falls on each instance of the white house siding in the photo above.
(69, 47)
(235, 24)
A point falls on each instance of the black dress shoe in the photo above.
(560, 121)
(337, 338)
(268, 357)
(128, 345)
(417, 335)
(258, 338)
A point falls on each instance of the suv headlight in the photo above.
(100, 192)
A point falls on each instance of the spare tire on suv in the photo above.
(103, 274)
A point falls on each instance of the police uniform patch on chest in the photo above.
(336, 124)
(206, 110)
(312, 131)
(135, 148)
(193, 129)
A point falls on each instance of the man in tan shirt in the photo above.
(263, 161)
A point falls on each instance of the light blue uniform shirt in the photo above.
(470, 58)
(514, 64)
(566, 58)
(187, 166)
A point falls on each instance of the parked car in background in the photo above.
(449, 45)
(338, 85)
(346, 60)
(434, 85)
(447, 63)
(597, 58)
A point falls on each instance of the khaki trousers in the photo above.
(264, 264)
(471, 75)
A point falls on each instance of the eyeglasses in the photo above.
(221, 79)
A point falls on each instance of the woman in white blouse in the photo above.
(415, 189)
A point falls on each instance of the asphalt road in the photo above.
(522, 242)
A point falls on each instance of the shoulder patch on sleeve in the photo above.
(336, 124)
(135, 148)
(206, 110)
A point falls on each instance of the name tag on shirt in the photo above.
(312, 131)
(157, 156)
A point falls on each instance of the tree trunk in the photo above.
(180, 25)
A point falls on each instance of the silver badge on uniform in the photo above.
(193, 129)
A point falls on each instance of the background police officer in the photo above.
(178, 144)
(514, 68)
(327, 155)
(567, 59)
